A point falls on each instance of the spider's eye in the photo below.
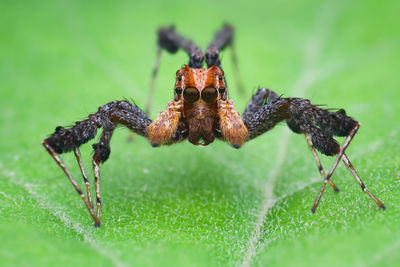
(179, 78)
(191, 94)
(178, 90)
(221, 90)
(209, 94)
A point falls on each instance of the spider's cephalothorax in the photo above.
(200, 112)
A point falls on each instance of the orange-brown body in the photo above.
(200, 109)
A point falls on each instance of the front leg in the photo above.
(264, 112)
(319, 126)
(66, 139)
(260, 98)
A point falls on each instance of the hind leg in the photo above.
(222, 39)
(171, 41)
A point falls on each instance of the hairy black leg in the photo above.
(320, 123)
(107, 117)
(347, 162)
(319, 126)
(319, 165)
(84, 175)
(335, 163)
(222, 39)
(171, 41)
(264, 111)
(260, 98)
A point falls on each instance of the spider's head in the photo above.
(199, 91)
(200, 84)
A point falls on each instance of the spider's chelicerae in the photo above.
(202, 111)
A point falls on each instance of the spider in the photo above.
(201, 111)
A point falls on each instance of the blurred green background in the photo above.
(198, 206)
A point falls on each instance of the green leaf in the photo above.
(198, 206)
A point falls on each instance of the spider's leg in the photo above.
(101, 154)
(265, 110)
(84, 175)
(107, 117)
(260, 98)
(153, 81)
(60, 163)
(321, 125)
(171, 41)
(347, 162)
(318, 162)
(96, 172)
(335, 163)
(222, 39)
(238, 76)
